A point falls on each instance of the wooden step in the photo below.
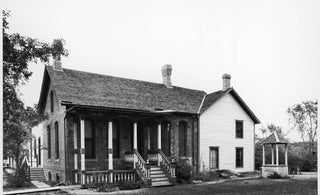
(158, 175)
(163, 183)
(159, 179)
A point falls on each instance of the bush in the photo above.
(183, 171)
(309, 163)
(130, 185)
(275, 175)
(17, 179)
(207, 176)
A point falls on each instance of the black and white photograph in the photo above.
(160, 97)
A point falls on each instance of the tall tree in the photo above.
(18, 52)
(304, 118)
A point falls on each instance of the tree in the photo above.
(18, 52)
(266, 131)
(304, 118)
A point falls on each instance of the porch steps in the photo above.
(36, 174)
(158, 177)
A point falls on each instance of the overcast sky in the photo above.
(270, 48)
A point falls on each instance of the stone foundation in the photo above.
(269, 169)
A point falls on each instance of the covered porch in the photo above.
(113, 147)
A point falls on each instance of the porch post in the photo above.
(83, 166)
(277, 154)
(135, 136)
(159, 136)
(286, 154)
(148, 136)
(272, 155)
(263, 155)
(75, 145)
(110, 151)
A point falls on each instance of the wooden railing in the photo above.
(107, 176)
(169, 167)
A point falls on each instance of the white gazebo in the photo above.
(275, 141)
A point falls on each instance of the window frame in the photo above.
(237, 130)
(184, 153)
(49, 141)
(241, 157)
(57, 147)
(93, 140)
(51, 101)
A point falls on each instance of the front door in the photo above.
(141, 141)
(214, 158)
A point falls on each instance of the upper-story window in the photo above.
(49, 141)
(183, 138)
(89, 140)
(51, 102)
(239, 129)
(56, 129)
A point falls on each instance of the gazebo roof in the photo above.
(274, 138)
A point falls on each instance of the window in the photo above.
(57, 178)
(51, 101)
(89, 140)
(56, 130)
(49, 176)
(239, 157)
(116, 140)
(239, 129)
(182, 139)
(165, 138)
(49, 141)
(214, 158)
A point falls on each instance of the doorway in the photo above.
(214, 158)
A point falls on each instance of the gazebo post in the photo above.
(277, 154)
(263, 156)
(272, 154)
(286, 154)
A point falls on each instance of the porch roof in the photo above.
(274, 138)
(90, 89)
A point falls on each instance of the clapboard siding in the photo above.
(217, 128)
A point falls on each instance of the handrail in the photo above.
(25, 159)
(168, 167)
(139, 157)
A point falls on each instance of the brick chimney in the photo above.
(226, 81)
(57, 63)
(166, 75)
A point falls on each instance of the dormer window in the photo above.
(51, 101)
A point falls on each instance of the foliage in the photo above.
(183, 171)
(266, 131)
(130, 185)
(18, 52)
(275, 175)
(14, 181)
(207, 176)
(304, 118)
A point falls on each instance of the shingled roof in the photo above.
(89, 89)
(215, 96)
(274, 138)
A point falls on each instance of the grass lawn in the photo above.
(254, 186)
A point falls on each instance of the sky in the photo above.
(270, 48)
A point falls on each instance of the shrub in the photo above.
(17, 179)
(183, 171)
(309, 163)
(130, 185)
(275, 175)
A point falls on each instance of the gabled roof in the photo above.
(274, 138)
(212, 98)
(89, 89)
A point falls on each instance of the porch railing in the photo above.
(167, 166)
(107, 176)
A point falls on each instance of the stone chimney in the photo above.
(57, 63)
(166, 75)
(226, 81)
